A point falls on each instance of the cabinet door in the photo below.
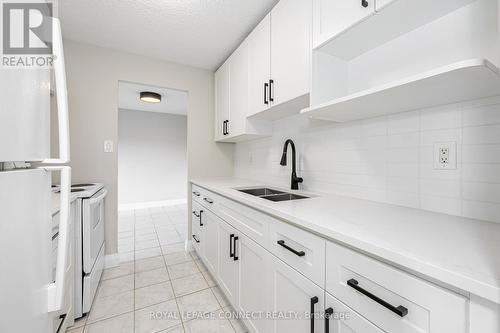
(331, 17)
(342, 319)
(228, 261)
(238, 90)
(221, 99)
(254, 281)
(210, 241)
(259, 66)
(292, 293)
(290, 49)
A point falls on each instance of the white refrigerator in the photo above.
(30, 295)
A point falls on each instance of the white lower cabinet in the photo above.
(341, 319)
(292, 293)
(228, 265)
(287, 280)
(210, 241)
(254, 277)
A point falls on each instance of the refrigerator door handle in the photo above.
(56, 289)
(62, 97)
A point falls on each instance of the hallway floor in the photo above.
(158, 287)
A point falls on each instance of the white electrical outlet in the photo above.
(445, 155)
(108, 146)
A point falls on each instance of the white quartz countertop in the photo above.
(463, 253)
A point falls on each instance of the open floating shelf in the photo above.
(458, 82)
(390, 22)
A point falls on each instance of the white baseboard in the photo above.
(111, 260)
(188, 245)
(150, 204)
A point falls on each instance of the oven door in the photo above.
(93, 228)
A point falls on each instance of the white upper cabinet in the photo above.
(268, 76)
(259, 66)
(221, 100)
(290, 50)
(238, 90)
(331, 17)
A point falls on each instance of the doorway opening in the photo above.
(152, 169)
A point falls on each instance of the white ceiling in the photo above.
(172, 101)
(200, 33)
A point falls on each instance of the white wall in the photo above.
(390, 159)
(93, 74)
(152, 157)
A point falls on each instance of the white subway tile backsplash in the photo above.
(428, 138)
(481, 135)
(403, 123)
(487, 173)
(451, 206)
(481, 115)
(481, 153)
(481, 192)
(481, 210)
(440, 118)
(403, 199)
(442, 188)
(390, 159)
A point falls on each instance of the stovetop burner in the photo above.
(82, 185)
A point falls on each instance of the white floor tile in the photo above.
(167, 317)
(190, 284)
(153, 294)
(199, 302)
(146, 278)
(149, 264)
(110, 306)
(177, 258)
(116, 286)
(119, 324)
(121, 270)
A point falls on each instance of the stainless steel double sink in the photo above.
(272, 195)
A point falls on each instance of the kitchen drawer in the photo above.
(300, 249)
(378, 291)
(204, 197)
(342, 319)
(196, 226)
(249, 221)
(196, 193)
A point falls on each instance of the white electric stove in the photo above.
(89, 243)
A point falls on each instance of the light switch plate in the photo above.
(108, 146)
(445, 155)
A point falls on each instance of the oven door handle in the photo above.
(101, 196)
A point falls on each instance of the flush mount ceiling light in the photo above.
(150, 97)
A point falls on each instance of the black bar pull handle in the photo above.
(196, 193)
(328, 313)
(266, 85)
(210, 201)
(314, 301)
(298, 253)
(224, 127)
(195, 214)
(194, 237)
(235, 257)
(271, 90)
(364, 3)
(227, 127)
(399, 310)
(231, 253)
(201, 223)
